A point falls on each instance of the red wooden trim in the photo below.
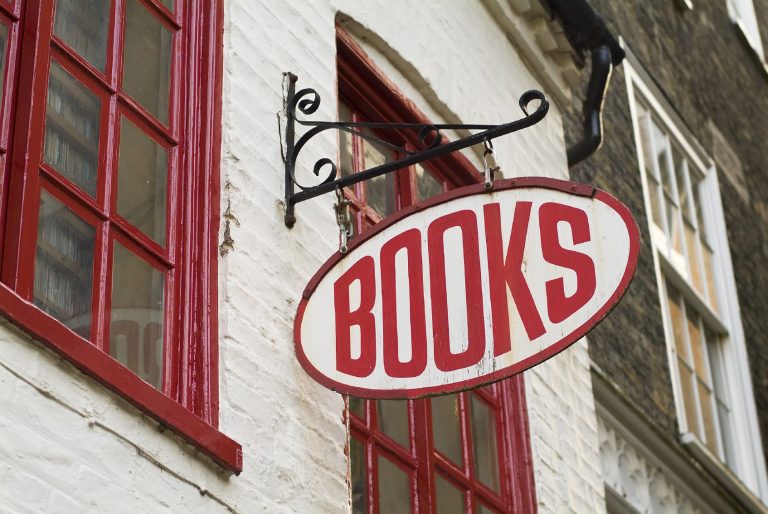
(8, 111)
(26, 151)
(521, 475)
(116, 377)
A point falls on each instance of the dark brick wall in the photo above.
(709, 74)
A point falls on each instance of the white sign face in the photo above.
(467, 288)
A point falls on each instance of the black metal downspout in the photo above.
(587, 32)
(593, 107)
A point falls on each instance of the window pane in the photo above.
(83, 25)
(689, 401)
(709, 271)
(724, 417)
(64, 265)
(708, 418)
(141, 181)
(136, 326)
(394, 488)
(692, 244)
(449, 499)
(359, 477)
(716, 364)
(657, 213)
(675, 235)
(72, 129)
(446, 431)
(168, 4)
(345, 144)
(667, 174)
(357, 406)
(645, 140)
(699, 214)
(393, 420)
(694, 335)
(379, 191)
(147, 60)
(676, 318)
(681, 171)
(485, 510)
(484, 443)
(426, 183)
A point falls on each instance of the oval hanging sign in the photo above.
(467, 288)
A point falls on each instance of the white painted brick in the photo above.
(68, 445)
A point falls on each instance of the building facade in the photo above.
(149, 283)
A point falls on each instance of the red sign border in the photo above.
(572, 188)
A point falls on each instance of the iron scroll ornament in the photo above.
(307, 101)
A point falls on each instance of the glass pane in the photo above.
(689, 401)
(359, 477)
(346, 156)
(141, 181)
(709, 271)
(676, 317)
(449, 499)
(657, 213)
(681, 168)
(147, 60)
(708, 418)
(64, 265)
(357, 406)
(645, 140)
(83, 25)
(3, 52)
(136, 325)
(394, 488)
(379, 191)
(446, 431)
(724, 417)
(692, 244)
(667, 174)
(168, 4)
(426, 183)
(675, 234)
(697, 349)
(484, 443)
(716, 365)
(72, 129)
(696, 185)
(393, 420)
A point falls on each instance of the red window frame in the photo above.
(370, 96)
(188, 401)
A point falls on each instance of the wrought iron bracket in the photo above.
(307, 101)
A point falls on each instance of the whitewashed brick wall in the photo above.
(68, 445)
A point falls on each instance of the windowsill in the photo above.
(114, 376)
(722, 473)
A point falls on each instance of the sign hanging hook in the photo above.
(343, 220)
(490, 166)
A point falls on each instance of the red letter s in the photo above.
(559, 306)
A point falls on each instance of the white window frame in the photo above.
(749, 464)
(742, 13)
